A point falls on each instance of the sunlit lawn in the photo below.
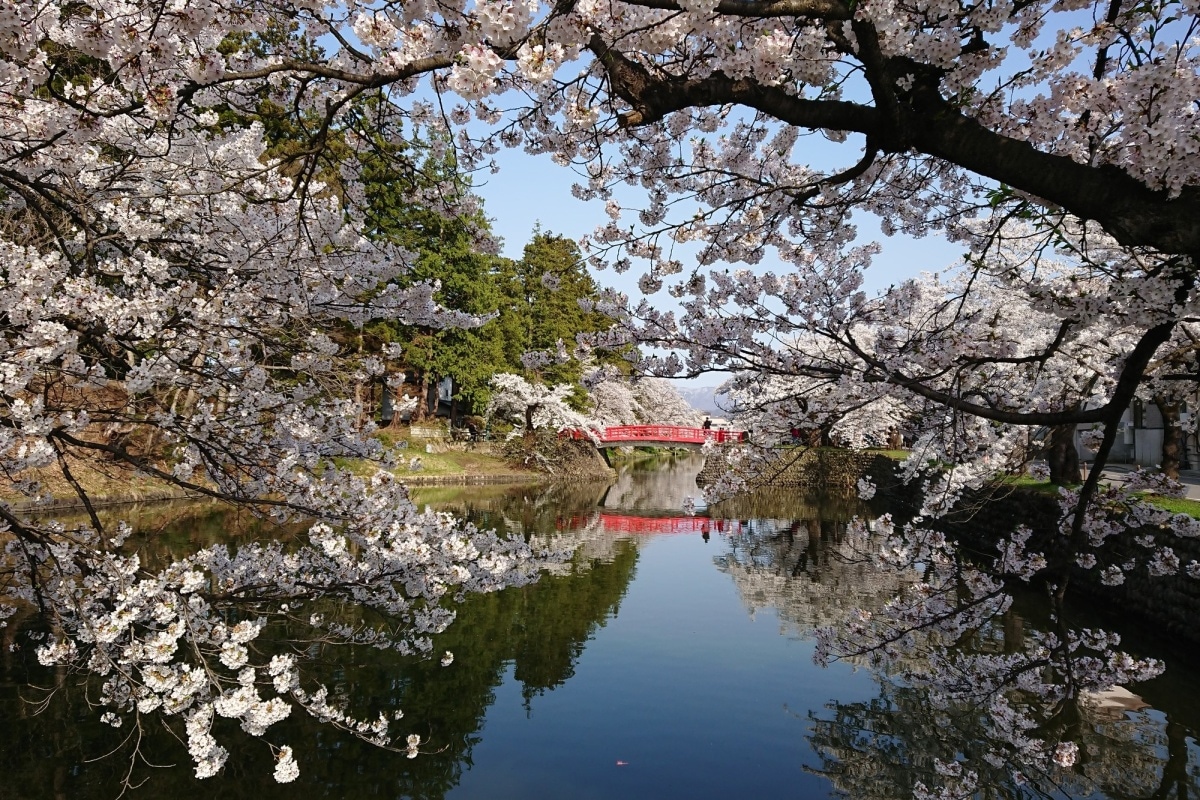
(1176, 505)
(412, 461)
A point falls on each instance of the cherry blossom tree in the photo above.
(1004, 343)
(170, 282)
(613, 402)
(618, 400)
(535, 405)
(1006, 140)
(661, 403)
(797, 409)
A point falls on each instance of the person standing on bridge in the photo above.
(707, 423)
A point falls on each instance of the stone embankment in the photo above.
(816, 470)
(559, 459)
(1165, 608)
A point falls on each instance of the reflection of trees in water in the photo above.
(661, 483)
(879, 750)
(559, 517)
(178, 528)
(519, 510)
(808, 570)
(814, 574)
(540, 630)
(787, 504)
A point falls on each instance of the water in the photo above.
(672, 658)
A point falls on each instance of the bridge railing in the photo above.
(629, 523)
(670, 433)
(680, 434)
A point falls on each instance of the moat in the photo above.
(671, 658)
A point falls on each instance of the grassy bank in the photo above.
(106, 482)
(420, 461)
(1176, 505)
(103, 481)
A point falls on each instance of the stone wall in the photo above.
(558, 458)
(1169, 606)
(715, 465)
(1166, 608)
(820, 470)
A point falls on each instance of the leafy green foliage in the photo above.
(402, 178)
(543, 291)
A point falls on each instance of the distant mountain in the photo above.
(701, 398)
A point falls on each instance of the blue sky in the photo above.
(532, 189)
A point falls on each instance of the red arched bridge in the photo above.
(660, 435)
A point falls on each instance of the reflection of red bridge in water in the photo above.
(669, 435)
(630, 523)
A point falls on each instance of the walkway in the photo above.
(1190, 478)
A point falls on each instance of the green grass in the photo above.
(449, 464)
(452, 463)
(898, 455)
(1176, 505)
(1032, 484)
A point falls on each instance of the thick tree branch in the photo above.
(652, 98)
(818, 9)
(1131, 212)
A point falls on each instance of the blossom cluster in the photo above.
(165, 642)
(176, 285)
(944, 632)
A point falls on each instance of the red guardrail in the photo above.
(665, 433)
(628, 523)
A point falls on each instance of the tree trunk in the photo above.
(1014, 632)
(1062, 456)
(360, 417)
(422, 409)
(360, 401)
(1172, 436)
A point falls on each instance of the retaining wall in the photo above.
(1167, 608)
(819, 470)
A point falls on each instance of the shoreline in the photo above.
(109, 486)
(109, 500)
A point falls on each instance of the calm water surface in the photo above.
(671, 659)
